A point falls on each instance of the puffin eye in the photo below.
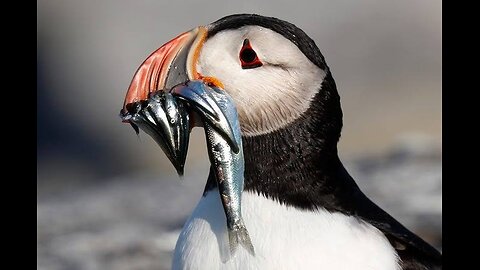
(248, 56)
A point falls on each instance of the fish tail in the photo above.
(239, 235)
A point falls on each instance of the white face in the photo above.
(268, 97)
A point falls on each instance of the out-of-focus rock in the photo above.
(407, 183)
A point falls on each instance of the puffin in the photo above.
(302, 208)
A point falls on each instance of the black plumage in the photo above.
(299, 165)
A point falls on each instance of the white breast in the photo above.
(283, 237)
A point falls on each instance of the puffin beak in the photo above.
(150, 106)
(168, 66)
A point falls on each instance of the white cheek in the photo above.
(268, 97)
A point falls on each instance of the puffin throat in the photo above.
(297, 163)
(291, 163)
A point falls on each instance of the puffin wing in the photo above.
(414, 252)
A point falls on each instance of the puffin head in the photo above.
(272, 70)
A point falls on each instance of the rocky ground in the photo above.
(132, 222)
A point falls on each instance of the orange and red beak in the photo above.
(167, 97)
(172, 64)
(150, 107)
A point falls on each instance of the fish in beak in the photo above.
(150, 104)
(167, 121)
(167, 98)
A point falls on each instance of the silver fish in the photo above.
(165, 117)
(224, 143)
(167, 121)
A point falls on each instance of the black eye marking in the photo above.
(248, 56)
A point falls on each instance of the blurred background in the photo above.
(108, 199)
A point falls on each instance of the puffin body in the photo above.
(284, 237)
(302, 208)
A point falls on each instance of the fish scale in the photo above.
(229, 167)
